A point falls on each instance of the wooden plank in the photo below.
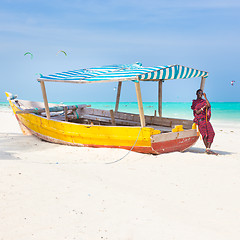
(202, 83)
(160, 98)
(106, 119)
(112, 118)
(52, 109)
(161, 128)
(140, 104)
(65, 113)
(118, 96)
(174, 135)
(168, 122)
(106, 113)
(84, 81)
(45, 99)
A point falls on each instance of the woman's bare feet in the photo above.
(208, 151)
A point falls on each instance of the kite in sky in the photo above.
(62, 52)
(232, 82)
(29, 54)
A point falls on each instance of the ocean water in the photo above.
(221, 111)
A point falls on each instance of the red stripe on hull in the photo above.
(176, 145)
(135, 149)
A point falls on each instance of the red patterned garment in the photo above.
(206, 130)
(198, 104)
(204, 125)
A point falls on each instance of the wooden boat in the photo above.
(81, 125)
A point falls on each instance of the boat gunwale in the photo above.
(87, 125)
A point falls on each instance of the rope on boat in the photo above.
(128, 151)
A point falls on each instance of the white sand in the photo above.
(50, 191)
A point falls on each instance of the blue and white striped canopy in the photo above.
(133, 72)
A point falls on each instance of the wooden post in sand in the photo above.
(118, 96)
(45, 99)
(140, 104)
(202, 83)
(160, 98)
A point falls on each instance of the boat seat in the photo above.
(96, 118)
(109, 120)
(161, 128)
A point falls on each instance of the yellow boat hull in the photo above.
(143, 139)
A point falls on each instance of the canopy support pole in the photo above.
(112, 118)
(140, 104)
(118, 96)
(45, 99)
(160, 98)
(202, 83)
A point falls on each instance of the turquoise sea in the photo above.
(221, 111)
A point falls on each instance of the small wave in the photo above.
(5, 107)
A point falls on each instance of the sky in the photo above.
(201, 34)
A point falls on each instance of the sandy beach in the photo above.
(50, 191)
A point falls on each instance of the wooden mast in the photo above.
(118, 96)
(140, 104)
(202, 83)
(45, 99)
(160, 98)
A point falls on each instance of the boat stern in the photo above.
(174, 141)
